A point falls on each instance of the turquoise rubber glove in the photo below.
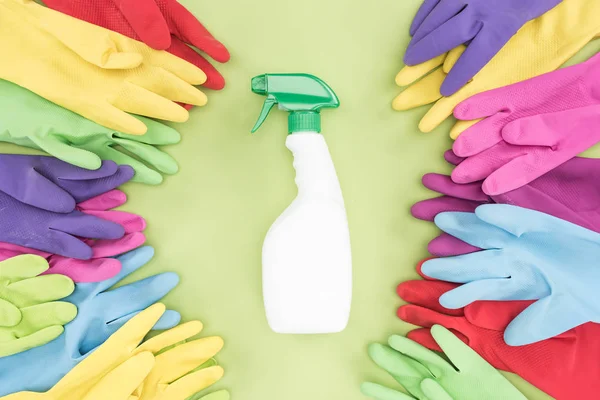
(101, 312)
(427, 376)
(528, 255)
(30, 316)
(29, 120)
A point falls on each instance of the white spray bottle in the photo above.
(307, 262)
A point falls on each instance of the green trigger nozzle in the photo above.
(302, 95)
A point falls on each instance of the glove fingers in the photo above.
(80, 271)
(404, 369)
(84, 190)
(214, 79)
(143, 174)
(87, 226)
(433, 390)
(426, 210)
(131, 223)
(452, 158)
(171, 337)
(168, 320)
(34, 340)
(437, 17)
(411, 74)
(151, 155)
(194, 382)
(113, 248)
(103, 202)
(451, 33)
(544, 319)
(38, 290)
(460, 126)
(72, 155)
(433, 362)
(480, 266)
(147, 21)
(114, 116)
(10, 315)
(480, 166)
(496, 289)
(486, 43)
(427, 294)
(472, 230)
(446, 245)
(443, 184)
(22, 267)
(157, 134)
(495, 315)
(423, 92)
(183, 359)
(426, 318)
(145, 101)
(441, 110)
(191, 31)
(138, 295)
(42, 316)
(422, 14)
(481, 136)
(379, 392)
(488, 103)
(424, 338)
(122, 381)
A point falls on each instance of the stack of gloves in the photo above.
(512, 285)
(82, 84)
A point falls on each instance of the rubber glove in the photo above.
(101, 312)
(96, 73)
(569, 192)
(101, 266)
(541, 46)
(57, 233)
(442, 25)
(481, 326)
(528, 255)
(30, 316)
(29, 120)
(161, 24)
(53, 185)
(428, 376)
(166, 361)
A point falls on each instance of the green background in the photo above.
(208, 222)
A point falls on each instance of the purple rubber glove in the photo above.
(485, 25)
(53, 185)
(570, 192)
(56, 233)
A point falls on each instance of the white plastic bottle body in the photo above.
(307, 261)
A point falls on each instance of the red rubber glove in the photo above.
(566, 367)
(161, 24)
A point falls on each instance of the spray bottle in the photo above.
(307, 263)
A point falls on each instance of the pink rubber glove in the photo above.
(100, 267)
(529, 128)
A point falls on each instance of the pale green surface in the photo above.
(208, 221)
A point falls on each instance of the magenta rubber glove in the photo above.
(570, 192)
(485, 25)
(529, 128)
(54, 185)
(101, 266)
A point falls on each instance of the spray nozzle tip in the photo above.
(259, 84)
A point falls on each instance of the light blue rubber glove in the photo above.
(528, 255)
(101, 312)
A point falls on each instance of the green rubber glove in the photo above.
(428, 376)
(30, 316)
(29, 120)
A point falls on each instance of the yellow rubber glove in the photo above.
(124, 369)
(92, 71)
(540, 46)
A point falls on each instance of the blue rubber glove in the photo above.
(101, 312)
(527, 255)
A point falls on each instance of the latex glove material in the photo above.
(29, 120)
(161, 24)
(101, 266)
(164, 360)
(307, 249)
(541, 46)
(99, 74)
(482, 324)
(428, 376)
(569, 192)
(30, 316)
(56, 233)
(565, 89)
(527, 255)
(53, 185)
(101, 312)
(484, 26)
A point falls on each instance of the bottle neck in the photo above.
(304, 121)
